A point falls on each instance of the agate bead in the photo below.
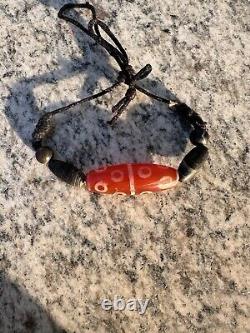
(135, 178)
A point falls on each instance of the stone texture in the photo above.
(62, 250)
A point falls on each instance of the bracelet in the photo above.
(128, 178)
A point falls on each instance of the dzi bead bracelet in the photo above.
(135, 178)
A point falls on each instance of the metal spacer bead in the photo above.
(44, 155)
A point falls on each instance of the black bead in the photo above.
(184, 109)
(192, 162)
(196, 119)
(184, 113)
(67, 172)
(199, 135)
(37, 144)
(185, 172)
(197, 156)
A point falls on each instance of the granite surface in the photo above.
(63, 250)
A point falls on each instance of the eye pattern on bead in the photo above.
(144, 172)
(101, 187)
(117, 176)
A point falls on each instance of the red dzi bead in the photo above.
(135, 178)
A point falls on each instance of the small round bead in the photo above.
(199, 136)
(44, 154)
(195, 118)
(184, 110)
(37, 144)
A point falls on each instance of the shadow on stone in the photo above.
(20, 312)
(147, 129)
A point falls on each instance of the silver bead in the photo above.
(44, 154)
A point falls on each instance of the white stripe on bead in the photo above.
(131, 179)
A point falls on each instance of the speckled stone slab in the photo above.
(64, 250)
